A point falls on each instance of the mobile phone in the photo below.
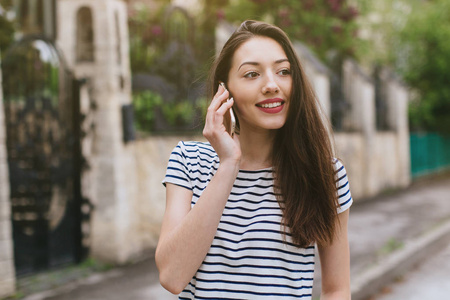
(230, 119)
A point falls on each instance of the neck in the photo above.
(256, 149)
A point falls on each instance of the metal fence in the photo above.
(430, 153)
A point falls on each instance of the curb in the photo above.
(399, 262)
(67, 288)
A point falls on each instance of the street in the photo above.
(430, 280)
(118, 285)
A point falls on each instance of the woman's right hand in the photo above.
(227, 148)
(188, 232)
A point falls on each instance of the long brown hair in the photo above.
(302, 152)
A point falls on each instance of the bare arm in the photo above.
(187, 234)
(335, 264)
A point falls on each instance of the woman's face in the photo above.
(260, 82)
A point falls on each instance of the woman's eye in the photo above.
(251, 74)
(285, 72)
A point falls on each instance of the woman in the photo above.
(244, 212)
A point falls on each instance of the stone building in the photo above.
(7, 273)
(90, 40)
(121, 198)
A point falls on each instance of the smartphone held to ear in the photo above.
(229, 119)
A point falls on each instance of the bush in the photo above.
(425, 65)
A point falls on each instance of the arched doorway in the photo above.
(43, 158)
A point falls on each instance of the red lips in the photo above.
(271, 106)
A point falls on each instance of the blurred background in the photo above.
(95, 94)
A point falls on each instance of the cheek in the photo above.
(239, 101)
(288, 89)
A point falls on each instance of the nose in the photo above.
(270, 85)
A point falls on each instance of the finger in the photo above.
(219, 98)
(214, 106)
(220, 90)
(225, 107)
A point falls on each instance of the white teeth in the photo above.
(271, 105)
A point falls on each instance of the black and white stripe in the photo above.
(250, 257)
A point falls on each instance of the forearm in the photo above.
(335, 264)
(180, 253)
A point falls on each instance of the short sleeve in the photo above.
(177, 169)
(343, 187)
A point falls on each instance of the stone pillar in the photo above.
(318, 75)
(360, 92)
(7, 272)
(110, 183)
(397, 102)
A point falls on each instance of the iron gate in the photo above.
(43, 156)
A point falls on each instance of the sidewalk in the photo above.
(428, 281)
(388, 235)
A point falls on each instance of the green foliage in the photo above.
(171, 45)
(424, 62)
(146, 36)
(148, 105)
(390, 246)
(178, 113)
(91, 264)
(6, 31)
(149, 33)
(145, 105)
(382, 23)
(325, 25)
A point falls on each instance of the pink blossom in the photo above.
(220, 14)
(283, 13)
(308, 5)
(285, 22)
(335, 5)
(349, 14)
(353, 11)
(336, 28)
(156, 30)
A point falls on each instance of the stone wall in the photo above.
(109, 182)
(318, 74)
(385, 158)
(153, 153)
(7, 273)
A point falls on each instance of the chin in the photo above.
(274, 126)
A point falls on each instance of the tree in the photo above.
(424, 61)
(324, 25)
(6, 26)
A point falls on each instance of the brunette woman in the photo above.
(244, 212)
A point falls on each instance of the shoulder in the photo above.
(343, 187)
(339, 167)
(340, 173)
(193, 153)
(194, 148)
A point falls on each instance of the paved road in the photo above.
(430, 280)
(135, 282)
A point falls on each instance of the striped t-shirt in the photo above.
(250, 257)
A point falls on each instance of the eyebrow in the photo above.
(254, 63)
